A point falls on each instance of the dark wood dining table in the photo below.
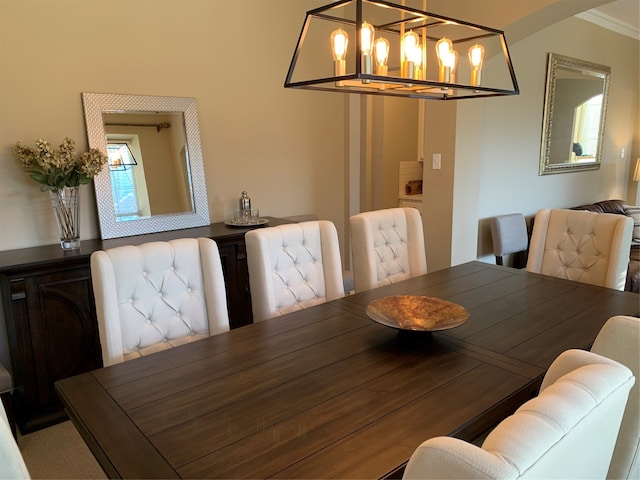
(326, 392)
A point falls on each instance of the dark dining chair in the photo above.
(509, 237)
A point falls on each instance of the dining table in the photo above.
(328, 391)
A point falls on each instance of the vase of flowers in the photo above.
(66, 207)
(61, 172)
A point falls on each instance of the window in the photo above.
(587, 127)
(122, 168)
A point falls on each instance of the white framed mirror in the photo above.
(154, 180)
(575, 107)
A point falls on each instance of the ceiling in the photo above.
(521, 18)
(622, 16)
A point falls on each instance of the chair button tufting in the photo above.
(144, 274)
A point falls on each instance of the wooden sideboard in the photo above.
(51, 318)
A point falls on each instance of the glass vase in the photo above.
(66, 206)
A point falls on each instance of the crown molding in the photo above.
(610, 23)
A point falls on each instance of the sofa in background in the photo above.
(619, 207)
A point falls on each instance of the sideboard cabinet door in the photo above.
(52, 334)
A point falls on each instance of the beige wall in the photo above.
(498, 140)
(437, 185)
(283, 146)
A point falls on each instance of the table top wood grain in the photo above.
(326, 392)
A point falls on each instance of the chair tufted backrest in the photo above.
(157, 295)
(583, 246)
(387, 246)
(292, 267)
(568, 431)
(619, 340)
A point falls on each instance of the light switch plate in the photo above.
(436, 163)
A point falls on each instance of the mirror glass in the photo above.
(574, 115)
(155, 177)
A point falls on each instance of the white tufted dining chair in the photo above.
(619, 339)
(347, 276)
(583, 246)
(292, 267)
(11, 462)
(387, 246)
(157, 295)
(568, 431)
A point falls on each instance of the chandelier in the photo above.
(381, 48)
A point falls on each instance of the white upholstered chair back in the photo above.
(347, 276)
(292, 267)
(568, 431)
(11, 462)
(157, 295)
(387, 246)
(584, 246)
(619, 340)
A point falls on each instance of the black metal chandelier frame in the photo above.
(395, 85)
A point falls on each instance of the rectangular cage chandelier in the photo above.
(381, 48)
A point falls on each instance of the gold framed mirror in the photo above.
(154, 181)
(575, 106)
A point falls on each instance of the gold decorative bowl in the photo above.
(417, 312)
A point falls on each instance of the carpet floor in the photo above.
(58, 452)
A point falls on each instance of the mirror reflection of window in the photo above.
(587, 127)
(128, 185)
(162, 139)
